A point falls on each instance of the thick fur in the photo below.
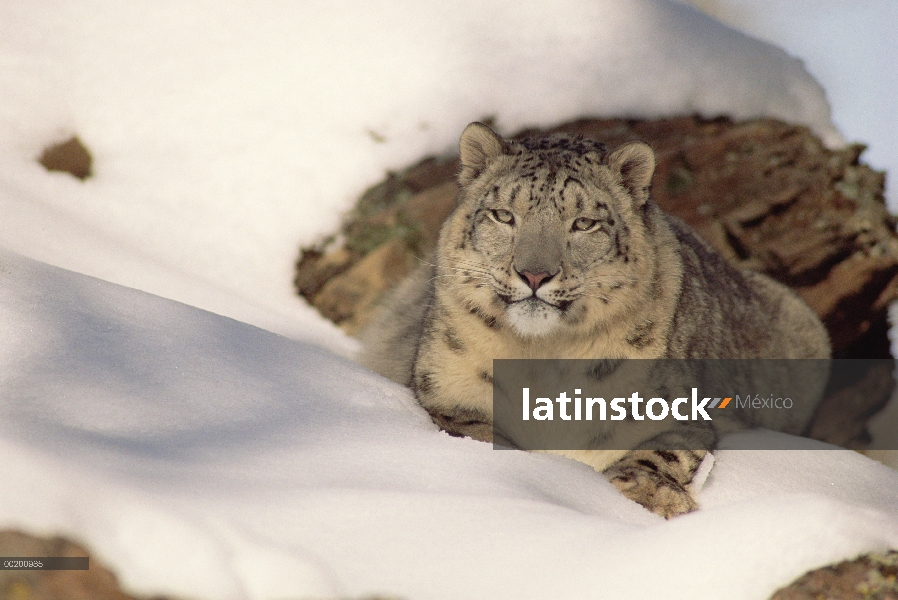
(556, 251)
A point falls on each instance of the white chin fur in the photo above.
(532, 318)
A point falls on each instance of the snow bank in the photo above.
(204, 457)
(226, 135)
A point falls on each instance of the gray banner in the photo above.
(683, 404)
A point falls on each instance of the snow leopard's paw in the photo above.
(657, 479)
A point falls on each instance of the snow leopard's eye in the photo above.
(502, 216)
(584, 224)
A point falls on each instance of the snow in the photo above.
(225, 136)
(166, 399)
(204, 457)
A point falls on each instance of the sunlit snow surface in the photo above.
(227, 133)
(205, 457)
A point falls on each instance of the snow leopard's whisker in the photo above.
(468, 261)
(608, 280)
(604, 299)
(461, 276)
(482, 268)
(464, 271)
(424, 262)
(475, 270)
(462, 264)
(467, 270)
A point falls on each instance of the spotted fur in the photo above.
(557, 251)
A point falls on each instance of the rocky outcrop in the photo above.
(868, 577)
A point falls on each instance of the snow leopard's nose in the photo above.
(535, 280)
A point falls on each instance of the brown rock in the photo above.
(868, 577)
(843, 413)
(315, 268)
(70, 156)
(348, 298)
(429, 209)
(852, 299)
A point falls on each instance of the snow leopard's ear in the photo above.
(635, 162)
(478, 146)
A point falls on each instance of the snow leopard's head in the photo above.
(549, 232)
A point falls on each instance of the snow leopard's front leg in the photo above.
(658, 479)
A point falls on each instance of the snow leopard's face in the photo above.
(549, 234)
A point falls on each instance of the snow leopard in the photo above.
(556, 250)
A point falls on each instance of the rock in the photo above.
(70, 156)
(842, 416)
(868, 577)
(349, 298)
(430, 208)
(309, 281)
